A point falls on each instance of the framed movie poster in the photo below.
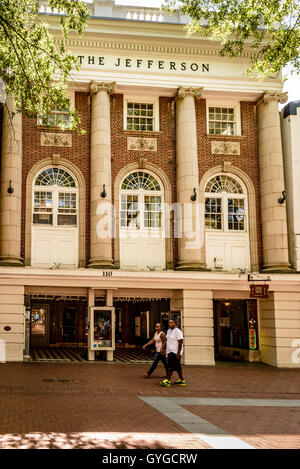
(102, 328)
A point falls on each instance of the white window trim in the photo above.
(224, 211)
(55, 190)
(146, 100)
(224, 196)
(237, 112)
(71, 96)
(141, 193)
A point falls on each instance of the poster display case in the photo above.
(102, 328)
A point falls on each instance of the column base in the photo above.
(101, 264)
(277, 268)
(191, 265)
(11, 261)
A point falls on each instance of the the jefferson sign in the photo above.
(143, 64)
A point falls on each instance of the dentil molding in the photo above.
(137, 47)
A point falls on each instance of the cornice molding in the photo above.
(138, 47)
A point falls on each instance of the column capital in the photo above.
(109, 87)
(269, 96)
(184, 91)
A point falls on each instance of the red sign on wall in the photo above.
(259, 291)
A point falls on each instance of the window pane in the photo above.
(67, 202)
(236, 214)
(42, 218)
(152, 207)
(70, 220)
(213, 213)
(42, 201)
(55, 118)
(221, 121)
(141, 111)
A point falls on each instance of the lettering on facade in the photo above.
(144, 64)
(141, 144)
(225, 148)
(56, 140)
(107, 273)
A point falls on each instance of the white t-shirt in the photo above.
(173, 335)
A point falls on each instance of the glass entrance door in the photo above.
(235, 326)
(39, 326)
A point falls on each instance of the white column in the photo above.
(100, 209)
(11, 176)
(191, 255)
(273, 214)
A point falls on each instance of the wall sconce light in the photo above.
(283, 198)
(10, 188)
(194, 195)
(103, 193)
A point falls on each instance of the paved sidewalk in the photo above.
(102, 405)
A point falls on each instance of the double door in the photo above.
(142, 235)
(70, 326)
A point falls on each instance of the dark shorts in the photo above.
(174, 362)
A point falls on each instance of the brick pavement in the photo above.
(85, 405)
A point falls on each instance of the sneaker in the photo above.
(180, 382)
(165, 383)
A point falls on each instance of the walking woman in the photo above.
(159, 339)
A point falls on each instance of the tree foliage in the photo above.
(269, 28)
(34, 68)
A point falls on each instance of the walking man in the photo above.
(160, 344)
(174, 353)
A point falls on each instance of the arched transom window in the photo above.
(141, 201)
(223, 183)
(140, 180)
(225, 204)
(55, 177)
(55, 197)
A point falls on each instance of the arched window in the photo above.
(55, 177)
(141, 201)
(142, 240)
(223, 183)
(55, 197)
(140, 180)
(225, 204)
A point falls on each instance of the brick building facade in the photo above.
(166, 207)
